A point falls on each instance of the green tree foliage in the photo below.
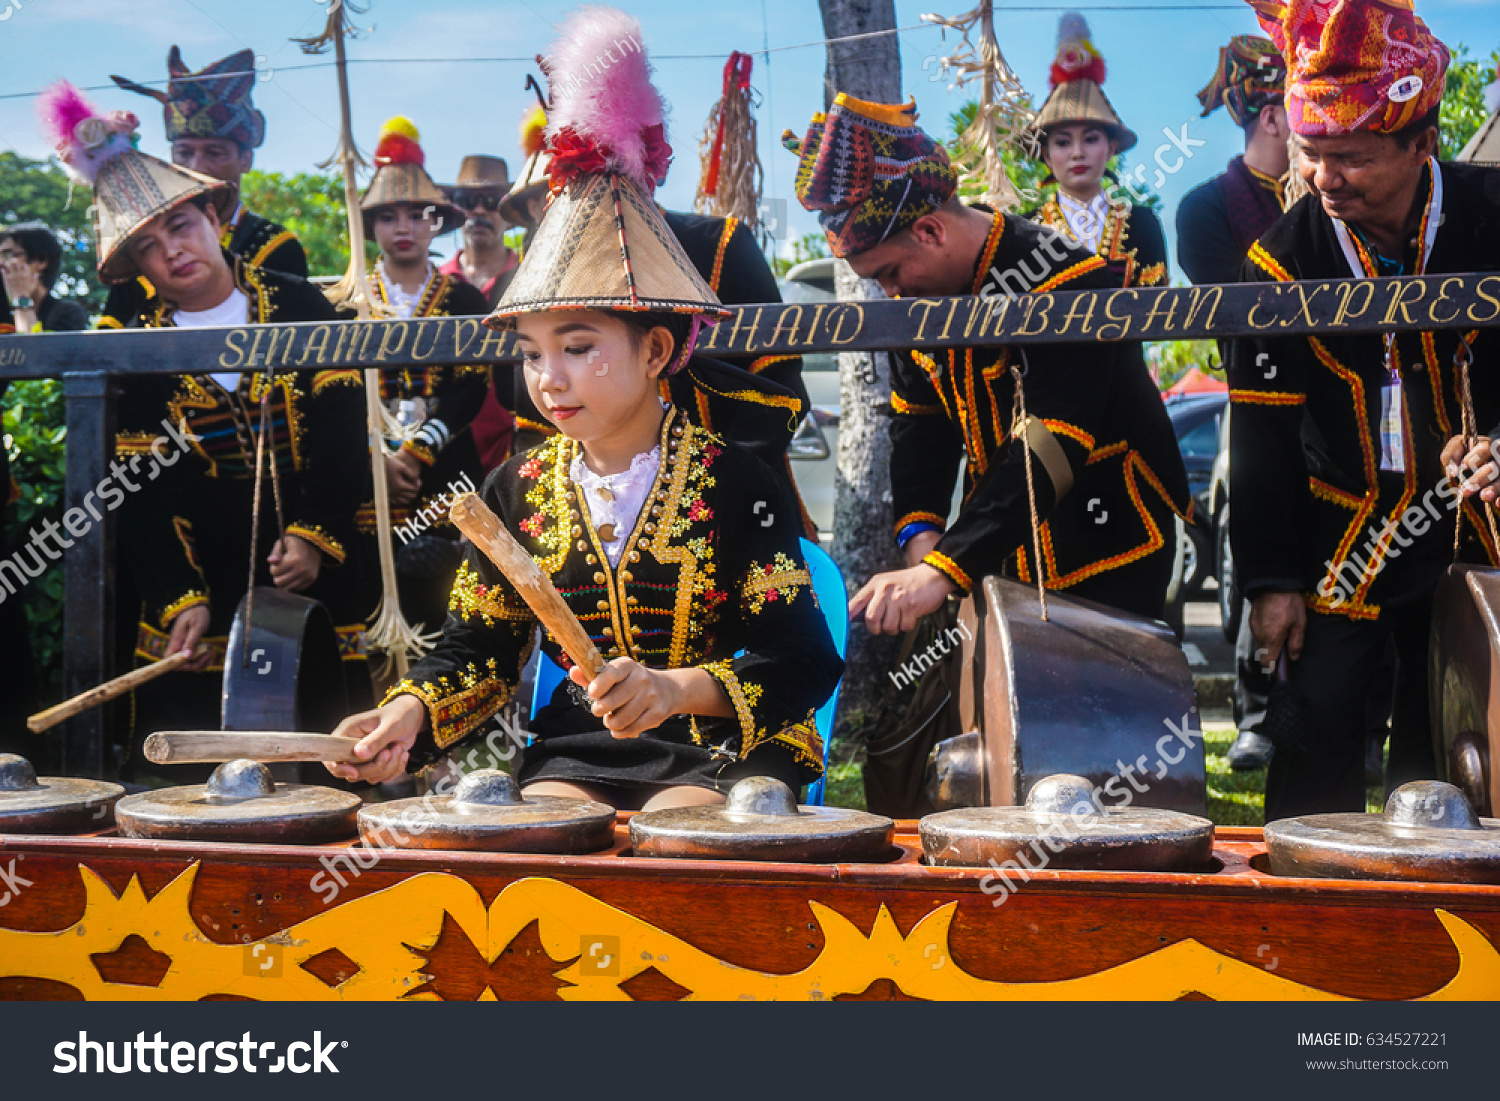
(810, 246)
(1463, 109)
(311, 205)
(35, 191)
(34, 433)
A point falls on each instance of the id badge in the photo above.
(1392, 435)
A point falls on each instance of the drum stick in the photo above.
(103, 693)
(196, 747)
(484, 529)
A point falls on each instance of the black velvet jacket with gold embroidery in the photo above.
(185, 530)
(705, 581)
(1310, 504)
(1098, 425)
(1132, 246)
(451, 395)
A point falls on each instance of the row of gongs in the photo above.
(1427, 832)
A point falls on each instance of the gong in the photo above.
(487, 812)
(1427, 832)
(1062, 826)
(1086, 692)
(762, 821)
(240, 802)
(1463, 691)
(52, 804)
(287, 674)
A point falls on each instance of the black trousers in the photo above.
(1342, 663)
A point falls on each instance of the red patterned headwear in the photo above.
(1354, 64)
(869, 172)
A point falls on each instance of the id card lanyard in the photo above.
(1392, 397)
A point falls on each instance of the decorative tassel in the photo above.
(399, 143)
(1077, 59)
(732, 178)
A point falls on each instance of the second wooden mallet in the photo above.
(477, 521)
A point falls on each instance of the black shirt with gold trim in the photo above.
(185, 530)
(704, 581)
(1132, 245)
(451, 395)
(1310, 504)
(1098, 431)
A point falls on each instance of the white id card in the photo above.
(1392, 435)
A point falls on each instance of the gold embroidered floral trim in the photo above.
(322, 380)
(472, 600)
(744, 697)
(458, 710)
(781, 579)
(424, 454)
(320, 539)
(804, 741)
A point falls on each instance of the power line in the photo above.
(530, 59)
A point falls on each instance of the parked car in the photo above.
(1196, 421)
(1231, 602)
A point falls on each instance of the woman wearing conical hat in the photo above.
(184, 479)
(431, 444)
(1076, 133)
(655, 532)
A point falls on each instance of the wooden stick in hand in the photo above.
(193, 747)
(103, 693)
(484, 529)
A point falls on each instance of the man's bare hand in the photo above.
(893, 602)
(1475, 471)
(918, 545)
(385, 737)
(1277, 620)
(403, 473)
(294, 563)
(187, 632)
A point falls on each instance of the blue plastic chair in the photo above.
(833, 598)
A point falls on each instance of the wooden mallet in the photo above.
(484, 529)
(103, 693)
(193, 747)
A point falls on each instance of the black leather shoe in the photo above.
(1251, 750)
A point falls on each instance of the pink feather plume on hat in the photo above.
(85, 138)
(603, 99)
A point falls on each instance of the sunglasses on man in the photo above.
(489, 201)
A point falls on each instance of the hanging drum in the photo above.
(1088, 692)
(52, 804)
(287, 675)
(1464, 693)
(1428, 832)
(762, 821)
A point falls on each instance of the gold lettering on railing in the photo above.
(1346, 293)
(1398, 301)
(237, 348)
(1123, 323)
(843, 312)
(1210, 294)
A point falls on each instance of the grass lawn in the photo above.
(1234, 798)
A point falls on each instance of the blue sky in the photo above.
(1157, 62)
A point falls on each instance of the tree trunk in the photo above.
(867, 68)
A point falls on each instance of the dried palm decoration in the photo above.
(389, 632)
(731, 179)
(1002, 114)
